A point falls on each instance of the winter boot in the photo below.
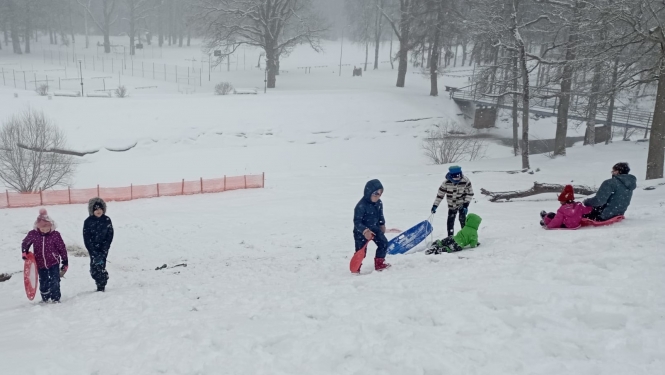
(543, 213)
(380, 264)
(100, 288)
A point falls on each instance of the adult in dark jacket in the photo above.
(369, 223)
(614, 195)
(97, 236)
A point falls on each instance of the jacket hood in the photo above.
(473, 221)
(627, 180)
(370, 187)
(92, 202)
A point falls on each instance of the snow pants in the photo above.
(98, 267)
(451, 219)
(379, 239)
(49, 283)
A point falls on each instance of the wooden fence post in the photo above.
(131, 192)
(201, 185)
(98, 191)
(182, 190)
(263, 180)
(69, 193)
(245, 181)
(7, 192)
(224, 183)
(158, 189)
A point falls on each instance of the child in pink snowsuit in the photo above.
(50, 251)
(569, 215)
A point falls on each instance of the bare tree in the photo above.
(646, 19)
(448, 143)
(29, 157)
(109, 17)
(137, 11)
(409, 10)
(275, 26)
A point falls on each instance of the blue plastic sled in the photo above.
(410, 239)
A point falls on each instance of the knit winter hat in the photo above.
(44, 221)
(454, 169)
(622, 168)
(567, 194)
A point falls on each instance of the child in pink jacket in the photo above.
(50, 251)
(569, 215)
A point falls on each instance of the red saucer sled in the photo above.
(30, 276)
(590, 223)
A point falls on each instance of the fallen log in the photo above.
(538, 188)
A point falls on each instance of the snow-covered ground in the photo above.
(267, 290)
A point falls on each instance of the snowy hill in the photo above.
(266, 289)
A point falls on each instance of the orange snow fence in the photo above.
(73, 196)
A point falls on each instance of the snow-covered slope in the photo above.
(267, 290)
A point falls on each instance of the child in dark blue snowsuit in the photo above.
(369, 223)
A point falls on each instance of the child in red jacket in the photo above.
(49, 250)
(569, 215)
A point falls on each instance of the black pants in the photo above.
(451, 219)
(379, 239)
(595, 214)
(49, 283)
(98, 267)
(446, 245)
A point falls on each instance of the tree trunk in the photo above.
(366, 54)
(160, 25)
(516, 125)
(405, 30)
(107, 27)
(525, 108)
(189, 36)
(435, 50)
(455, 58)
(377, 32)
(13, 27)
(132, 29)
(28, 26)
(71, 21)
(610, 110)
(590, 135)
(5, 32)
(656, 156)
(271, 66)
(521, 49)
(392, 66)
(566, 85)
(463, 53)
(87, 29)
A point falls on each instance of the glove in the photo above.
(24, 255)
(465, 209)
(63, 270)
(434, 209)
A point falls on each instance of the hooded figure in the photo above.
(50, 251)
(570, 213)
(468, 236)
(369, 223)
(97, 236)
(614, 195)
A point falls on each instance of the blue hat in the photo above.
(454, 169)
